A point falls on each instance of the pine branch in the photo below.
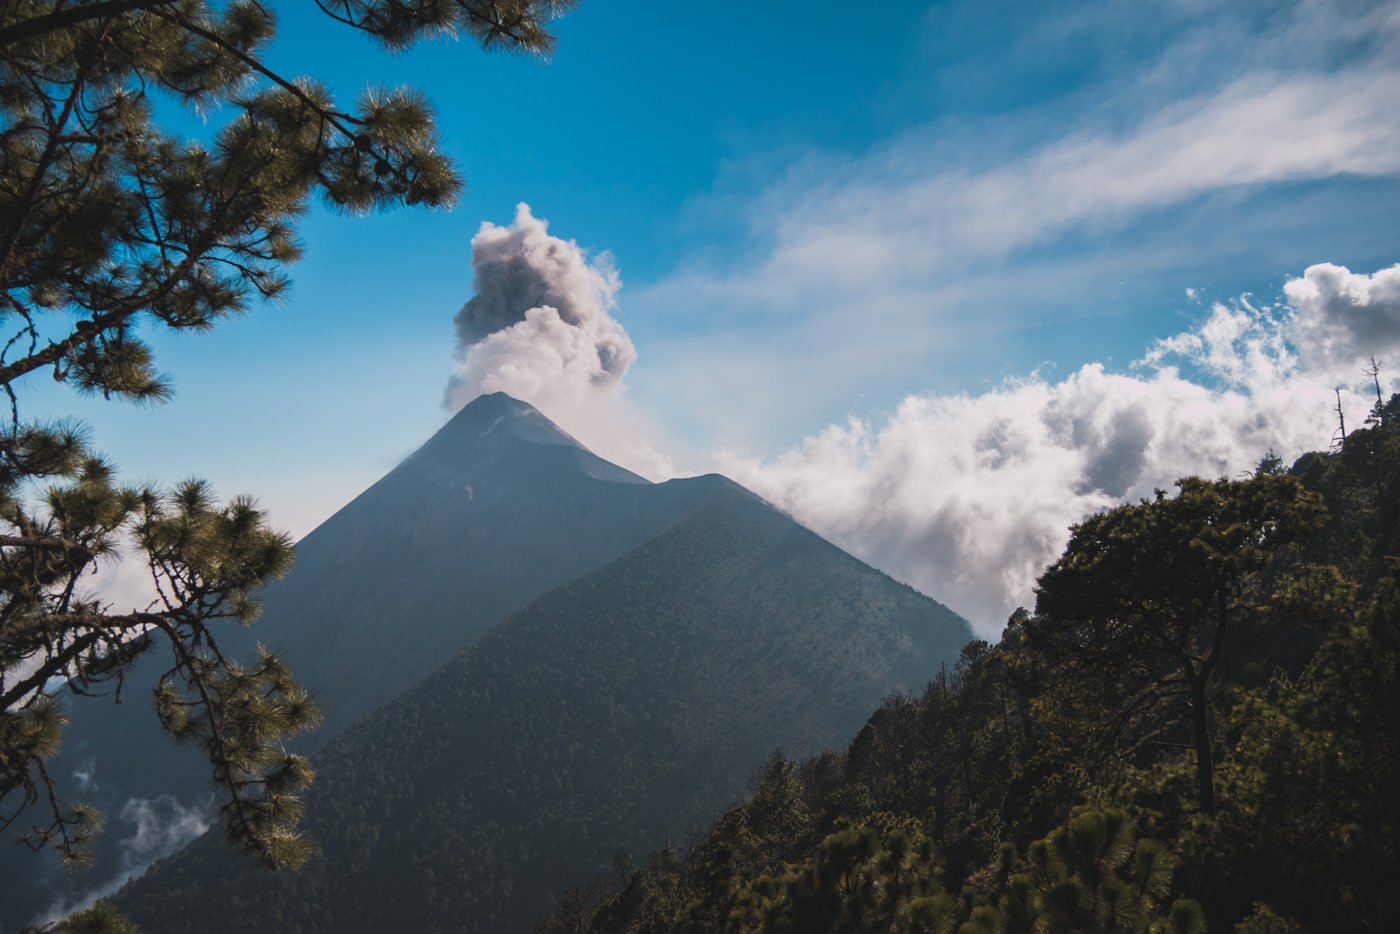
(47, 543)
(72, 16)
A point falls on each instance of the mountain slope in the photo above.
(494, 510)
(615, 710)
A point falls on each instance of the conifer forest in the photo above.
(1197, 728)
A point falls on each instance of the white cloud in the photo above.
(931, 258)
(1343, 318)
(163, 826)
(538, 359)
(1228, 100)
(941, 255)
(900, 215)
(969, 497)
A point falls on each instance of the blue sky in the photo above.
(939, 279)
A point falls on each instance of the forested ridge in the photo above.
(1198, 728)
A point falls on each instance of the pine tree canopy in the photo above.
(110, 226)
(1132, 620)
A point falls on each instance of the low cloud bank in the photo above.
(970, 497)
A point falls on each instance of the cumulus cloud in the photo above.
(540, 328)
(946, 252)
(1341, 317)
(969, 497)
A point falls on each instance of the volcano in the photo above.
(530, 660)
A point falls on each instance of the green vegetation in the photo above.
(1197, 729)
(111, 227)
(99, 919)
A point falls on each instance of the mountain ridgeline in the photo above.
(619, 657)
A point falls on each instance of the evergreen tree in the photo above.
(1317, 835)
(109, 225)
(1131, 621)
(99, 919)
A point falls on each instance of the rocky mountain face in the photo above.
(609, 653)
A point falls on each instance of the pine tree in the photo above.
(99, 919)
(1131, 622)
(110, 226)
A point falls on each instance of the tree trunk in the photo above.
(1200, 728)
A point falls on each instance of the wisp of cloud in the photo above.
(159, 827)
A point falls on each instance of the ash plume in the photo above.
(539, 325)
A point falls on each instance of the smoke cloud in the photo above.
(540, 328)
(970, 497)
